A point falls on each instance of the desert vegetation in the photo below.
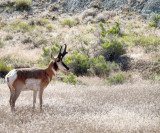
(69, 108)
(114, 61)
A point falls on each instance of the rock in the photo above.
(148, 11)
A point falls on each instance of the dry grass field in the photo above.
(123, 108)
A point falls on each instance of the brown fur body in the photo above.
(19, 84)
(35, 79)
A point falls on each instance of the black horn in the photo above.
(59, 55)
(64, 52)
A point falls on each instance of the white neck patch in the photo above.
(54, 71)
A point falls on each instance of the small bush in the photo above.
(45, 56)
(99, 66)
(4, 68)
(112, 49)
(147, 41)
(8, 37)
(68, 22)
(41, 22)
(27, 40)
(1, 43)
(22, 4)
(156, 77)
(152, 24)
(24, 27)
(101, 18)
(50, 27)
(40, 41)
(155, 20)
(78, 63)
(71, 78)
(89, 12)
(20, 26)
(115, 30)
(103, 30)
(119, 78)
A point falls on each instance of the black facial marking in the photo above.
(55, 65)
(65, 66)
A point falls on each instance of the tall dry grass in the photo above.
(85, 109)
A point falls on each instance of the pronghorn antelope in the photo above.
(35, 79)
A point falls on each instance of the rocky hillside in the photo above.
(144, 7)
(105, 36)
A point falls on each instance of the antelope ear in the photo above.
(52, 56)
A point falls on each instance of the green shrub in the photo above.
(71, 78)
(119, 78)
(114, 66)
(45, 56)
(40, 41)
(78, 63)
(22, 4)
(103, 30)
(4, 68)
(20, 26)
(152, 24)
(68, 22)
(156, 77)
(155, 20)
(99, 66)
(112, 49)
(115, 30)
(24, 27)
(147, 41)
(27, 40)
(41, 22)
(50, 27)
(1, 43)
(8, 37)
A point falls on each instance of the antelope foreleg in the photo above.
(34, 98)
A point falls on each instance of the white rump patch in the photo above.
(32, 84)
(12, 75)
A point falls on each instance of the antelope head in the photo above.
(58, 61)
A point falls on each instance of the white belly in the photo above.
(32, 84)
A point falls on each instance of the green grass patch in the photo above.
(19, 26)
(1, 43)
(149, 43)
(50, 27)
(119, 78)
(68, 22)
